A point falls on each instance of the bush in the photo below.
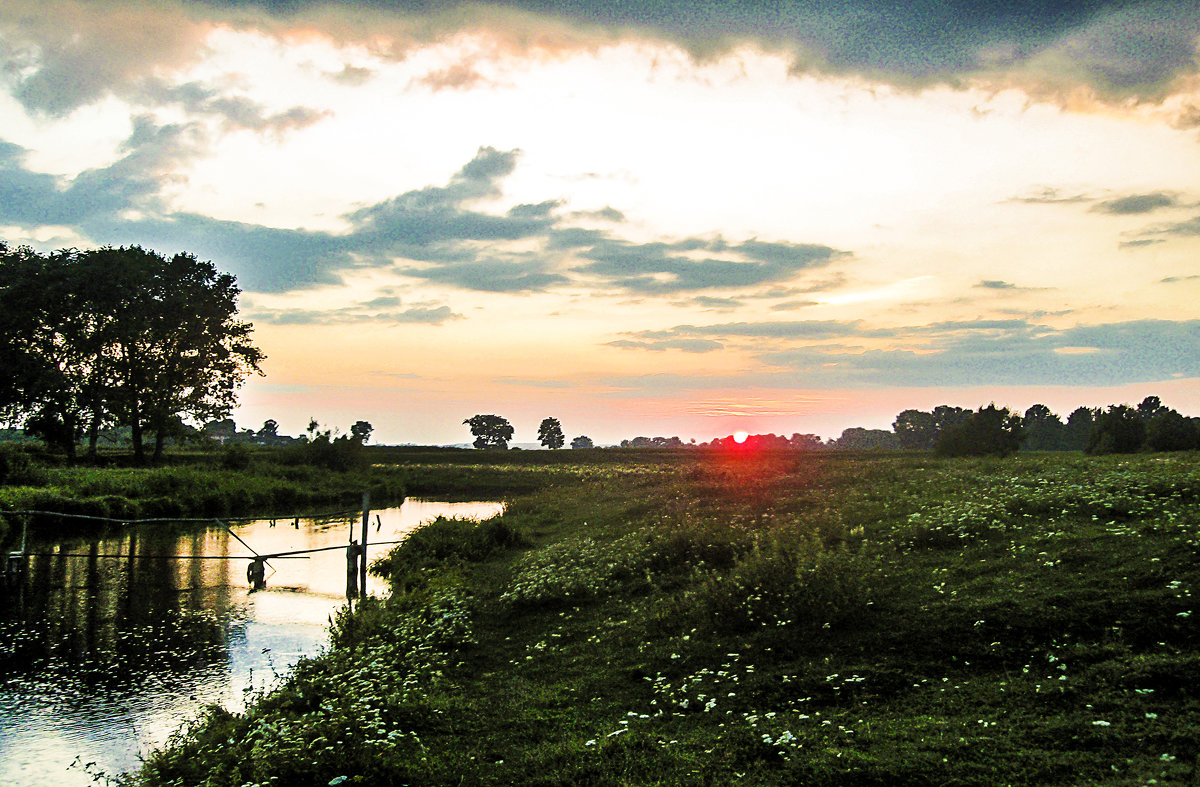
(236, 456)
(20, 464)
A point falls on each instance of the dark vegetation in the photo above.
(117, 337)
(685, 617)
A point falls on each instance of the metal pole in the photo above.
(362, 555)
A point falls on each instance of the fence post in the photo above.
(352, 570)
(362, 567)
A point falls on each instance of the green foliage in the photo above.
(687, 618)
(235, 456)
(550, 433)
(490, 431)
(120, 335)
(990, 431)
(21, 465)
(1118, 430)
(447, 541)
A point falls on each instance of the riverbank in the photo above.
(811, 619)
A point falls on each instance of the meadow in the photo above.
(695, 617)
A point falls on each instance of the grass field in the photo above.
(691, 618)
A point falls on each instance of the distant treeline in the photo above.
(956, 431)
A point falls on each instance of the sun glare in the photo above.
(740, 437)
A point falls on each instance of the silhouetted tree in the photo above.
(490, 431)
(945, 416)
(1118, 430)
(989, 431)
(1078, 432)
(124, 334)
(583, 441)
(915, 429)
(1150, 407)
(805, 442)
(1167, 430)
(361, 431)
(1044, 431)
(550, 434)
(858, 439)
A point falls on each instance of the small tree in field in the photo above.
(583, 441)
(550, 434)
(361, 431)
(490, 431)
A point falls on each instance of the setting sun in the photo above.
(740, 437)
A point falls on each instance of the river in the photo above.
(102, 658)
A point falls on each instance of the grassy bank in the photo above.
(260, 482)
(824, 619)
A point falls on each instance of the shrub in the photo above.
(19, 465)
(236, 456)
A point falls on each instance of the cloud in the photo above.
(851, 354)
(433, 233)
(993, 284)
(1137, 203)
(1050, 196)
(656, 268)
(63, 54)
(1185, 229)
(1098, 355)
(378, 311)
(661, 345)
(152, 153)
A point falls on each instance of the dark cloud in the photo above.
(31, 199)
(995, 284)
(488, 276)
(656, 268)
(604, 214)
(1186, 229)
(236, 112)
(1141, 351)
(831, 354)
(1178, 279)
(432, 233)
(1137, 203)
(65, 55)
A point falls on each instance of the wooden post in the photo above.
(352, 570)
(362, 566)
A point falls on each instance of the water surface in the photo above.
(102, 658)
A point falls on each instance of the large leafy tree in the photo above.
(1117, 430)
(915, 429)
(550, 434)
(490, 431)
(990, 430)
(178, 349)
(122, 334)
(1044, 431)
(54, 332)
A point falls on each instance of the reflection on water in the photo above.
(102, 658)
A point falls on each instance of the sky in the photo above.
(655, 218)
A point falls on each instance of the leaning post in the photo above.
(362, 566)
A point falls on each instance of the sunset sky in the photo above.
(642, 218)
